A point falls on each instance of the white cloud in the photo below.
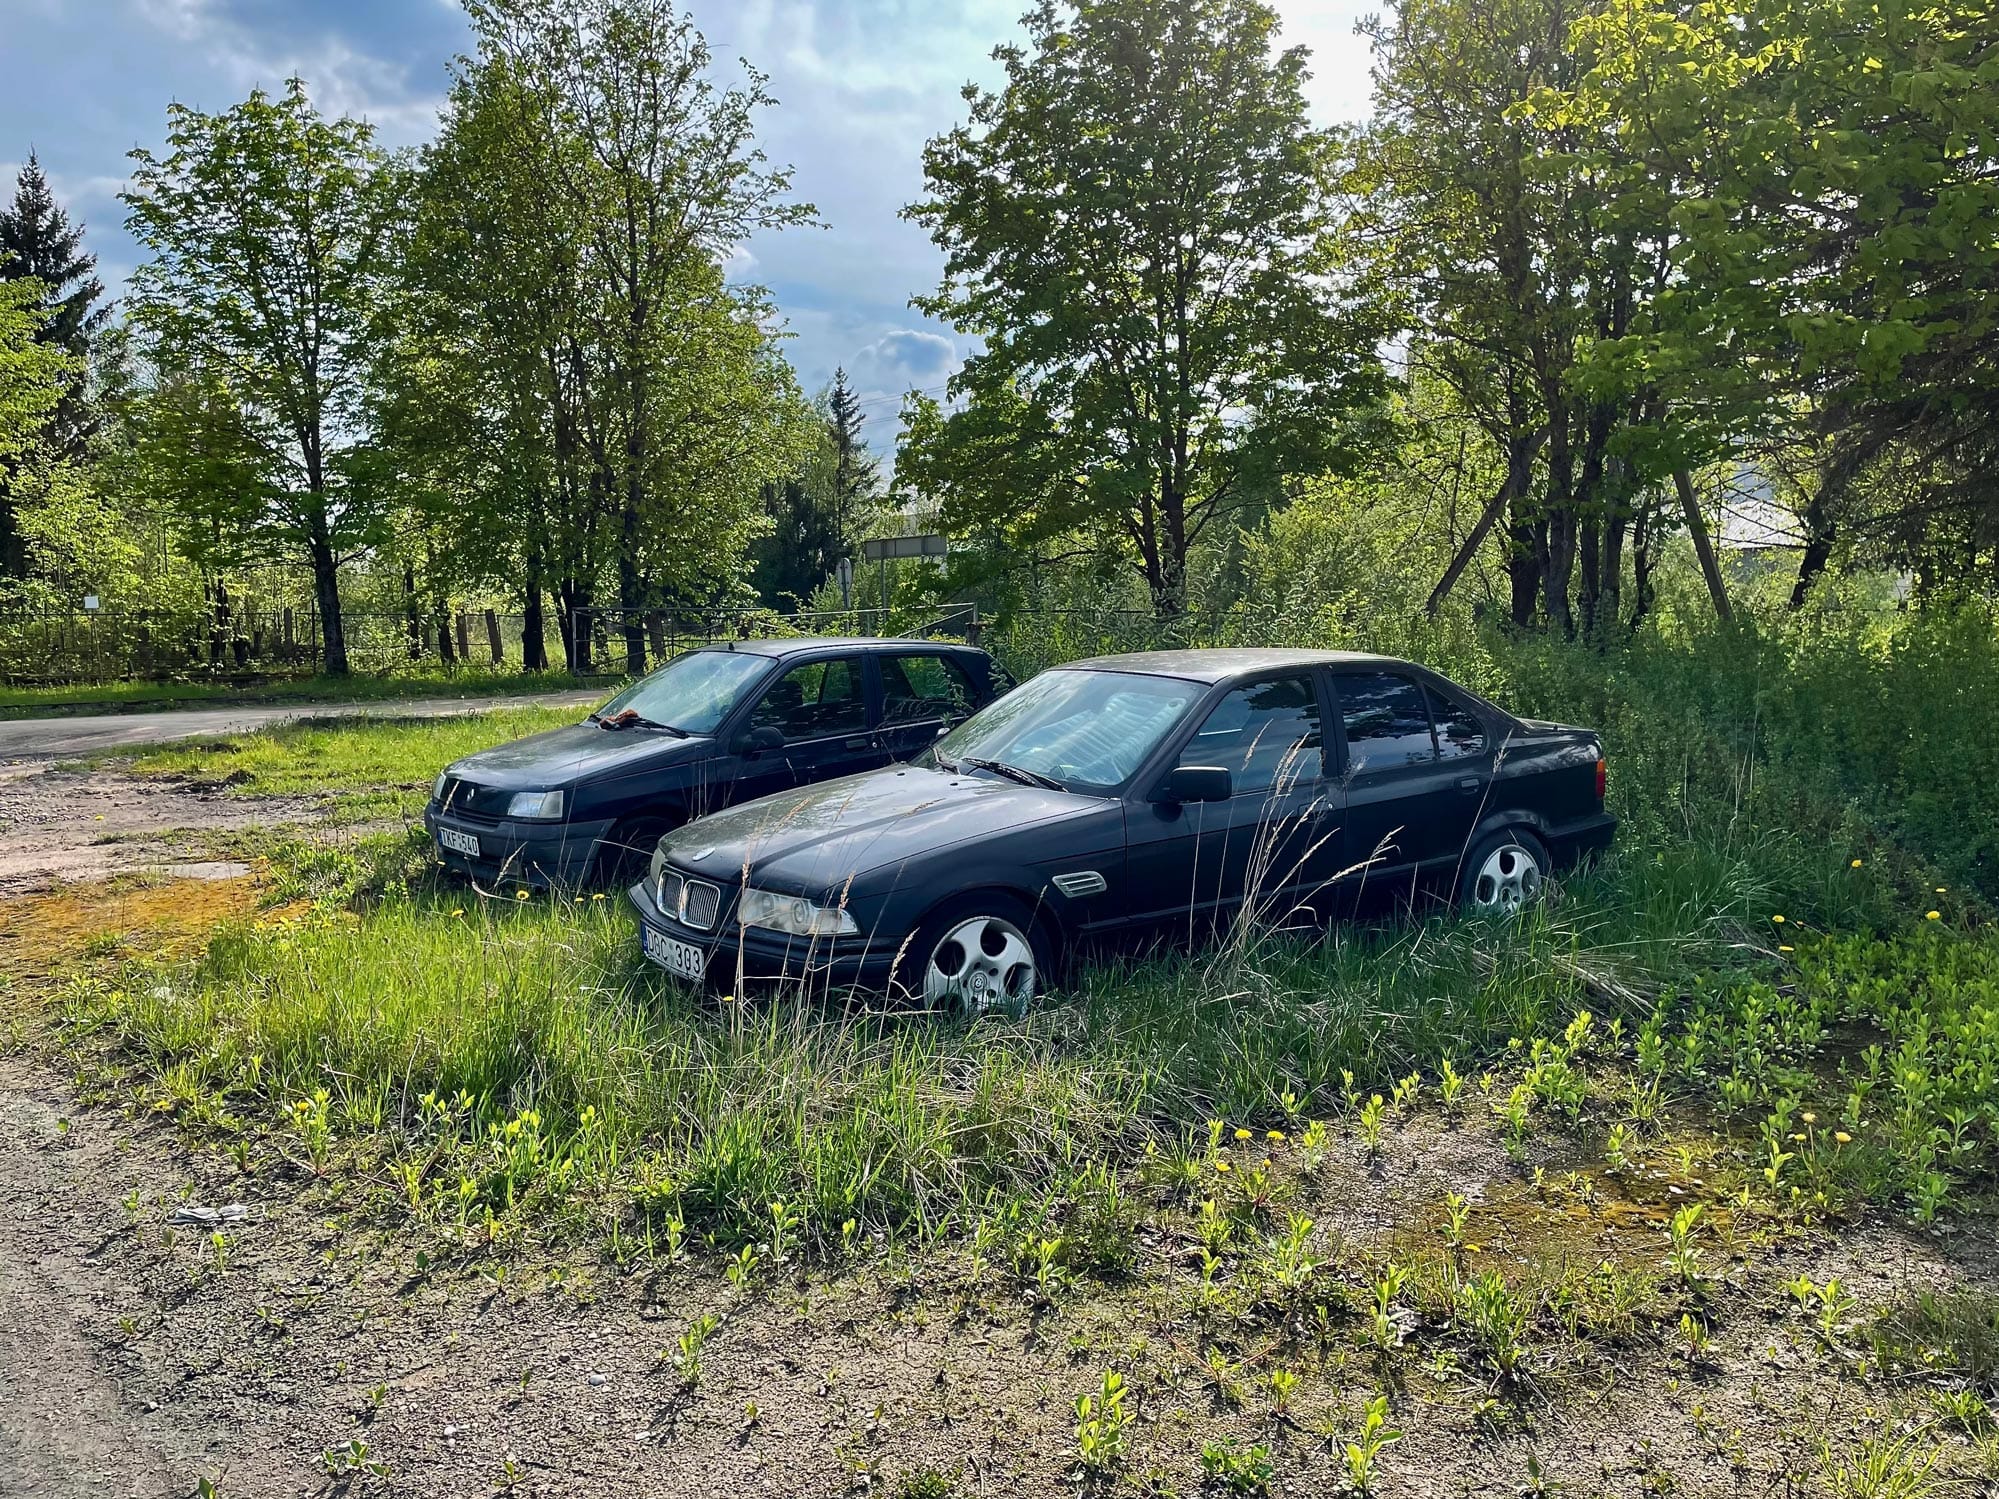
(341, 79)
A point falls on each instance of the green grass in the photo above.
(529, 1066)
(469, 681)
(383, 764)
(641, 1096)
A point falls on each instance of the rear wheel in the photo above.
(1505, 872)
(979, 955)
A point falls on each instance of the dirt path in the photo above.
(77, 1421)
(48, 738)
(60, 824)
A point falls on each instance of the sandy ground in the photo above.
(58, 825)
(134, 1362)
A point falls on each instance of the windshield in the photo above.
(1089, 730)
(692, 693)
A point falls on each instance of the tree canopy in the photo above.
(1138, 230)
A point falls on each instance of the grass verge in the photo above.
(376, 767)
(112, 697)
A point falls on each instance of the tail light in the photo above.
(1602, 776)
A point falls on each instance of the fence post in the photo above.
(493, 637)
(464, 638)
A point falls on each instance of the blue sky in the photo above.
(861, 84)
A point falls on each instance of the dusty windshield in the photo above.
(1082, 730)
(692, 693)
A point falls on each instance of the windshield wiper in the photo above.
(631, 718)
(1014, 773)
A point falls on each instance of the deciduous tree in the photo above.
(266, 225)
(1138, 232)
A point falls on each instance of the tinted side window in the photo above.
(916, 689)
(1387, 722)
(1262, 735)
(1459, 733)
(815, 700)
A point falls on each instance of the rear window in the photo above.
(1459, 733)
(1386, 720)
(921, 689)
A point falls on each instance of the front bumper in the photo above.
(532, 853)
(736, 955)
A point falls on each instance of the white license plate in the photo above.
(682, 959)
(459, 843)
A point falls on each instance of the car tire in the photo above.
(984, 954)
(1505, 872)
(625, 853)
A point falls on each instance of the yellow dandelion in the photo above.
(1856, 863)
(1781, 947)
(459, 912)
(1221, 1165)
(1842, 1136)
(520, 895)
(1933, 916)
(579, 900)
(598, 896)
(1809, 1117)
(1242, 1134)
(1275, 1134)
(1943, 890)
(1797, 1137)
(1778, 919)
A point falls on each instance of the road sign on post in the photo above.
(904, 546)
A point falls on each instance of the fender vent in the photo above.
(1081, 882)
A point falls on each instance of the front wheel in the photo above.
(979, 955)
(1504, 873)
(625, 853)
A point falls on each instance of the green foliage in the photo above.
(267, 225)
(40, 250)
(33, 374)
(1137, 231)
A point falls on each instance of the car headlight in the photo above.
(543, 805)
(437, 786)
(794, 914)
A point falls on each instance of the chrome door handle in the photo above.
(1468, 783)
(861, 743)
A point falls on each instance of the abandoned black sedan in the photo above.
(718, 725)
(1121, 799)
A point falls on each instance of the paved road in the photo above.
(43, 738)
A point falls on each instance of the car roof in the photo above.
(794, 645)
(1219, 664)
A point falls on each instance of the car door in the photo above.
(923, 693)
(1405, 807)
(820, 709)
(1192, 866)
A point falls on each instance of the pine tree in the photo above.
(37, 240)
(856, 471)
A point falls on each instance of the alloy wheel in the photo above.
(1509, 878)
(983, 965)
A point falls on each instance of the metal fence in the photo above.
(109, 645)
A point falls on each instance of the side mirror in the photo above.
(758, 740)
(1194, 783)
